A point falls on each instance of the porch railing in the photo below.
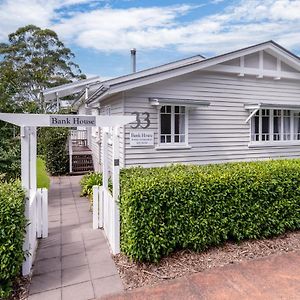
(79, 137)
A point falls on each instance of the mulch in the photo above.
(186, 262)
(20, 288)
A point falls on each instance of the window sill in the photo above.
(273, 144)
(172, 147)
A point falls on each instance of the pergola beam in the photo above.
(46, 120)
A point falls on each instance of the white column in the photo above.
(33, 153)
(25, 160)
(116, 191)
(105, 158)
(70, 153)
(25, 175)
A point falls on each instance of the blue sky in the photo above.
(101, 32)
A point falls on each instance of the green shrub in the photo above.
(12, 232)
(10, 152)
(53, 146)
(195, 207)
(88, 181)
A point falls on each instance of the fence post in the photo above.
(38, 214)
(70, 153)
(95, 207)
(116, 191)
(105, 159)
(44, 193)
(101, 207)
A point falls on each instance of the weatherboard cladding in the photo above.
(217, 133)
(116, 108)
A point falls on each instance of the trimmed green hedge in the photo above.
(52, 143)
(12, 232)
(195, 207)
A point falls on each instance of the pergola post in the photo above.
(33, 155)
(105, 159)
(25, 158)
(116, 192)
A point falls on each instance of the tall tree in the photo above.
(34, 59)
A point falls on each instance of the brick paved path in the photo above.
(74, 262)
(271, 278)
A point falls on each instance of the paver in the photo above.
(274, 277)
(81, 291)
(74, 262)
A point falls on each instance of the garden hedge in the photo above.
(195, 207)
(12, 230)
(52, 143)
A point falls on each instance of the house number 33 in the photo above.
(142, 120)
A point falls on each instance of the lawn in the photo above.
(43, 180)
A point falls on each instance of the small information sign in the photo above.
(72, 121)
(141, 138)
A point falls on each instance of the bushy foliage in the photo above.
(88, 181)
(34, 59)
(12, 232)
(195, 207)
(53, 147)
(10, 154)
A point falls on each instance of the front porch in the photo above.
(80, 155)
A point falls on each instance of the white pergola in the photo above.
(36, 209)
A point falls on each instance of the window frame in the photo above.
(273, 142)
(173, 145)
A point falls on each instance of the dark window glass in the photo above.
(165, 124)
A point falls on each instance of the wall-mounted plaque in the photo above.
(141, 138)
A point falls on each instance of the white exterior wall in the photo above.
(217, 133)
(116, 108)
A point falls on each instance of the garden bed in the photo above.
(186, 262)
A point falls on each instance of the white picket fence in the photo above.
(36, 212)
(106, 215)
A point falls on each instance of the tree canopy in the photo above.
(32, 60)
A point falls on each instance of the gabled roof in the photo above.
(78, 86)
(182, 67)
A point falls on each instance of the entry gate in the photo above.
(37, 199)
(106, 213)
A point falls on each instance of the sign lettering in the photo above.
(141, 138)
(72, 121)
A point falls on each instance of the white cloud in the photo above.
(109, 29)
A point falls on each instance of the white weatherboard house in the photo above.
(239, 106)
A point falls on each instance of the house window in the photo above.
(173, 125)
(275, 125)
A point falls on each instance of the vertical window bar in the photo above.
(172, 124)
(292, 126)
(260, 125)
(281, 128)
(186, 128)
(159, 124)
(271, 129)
